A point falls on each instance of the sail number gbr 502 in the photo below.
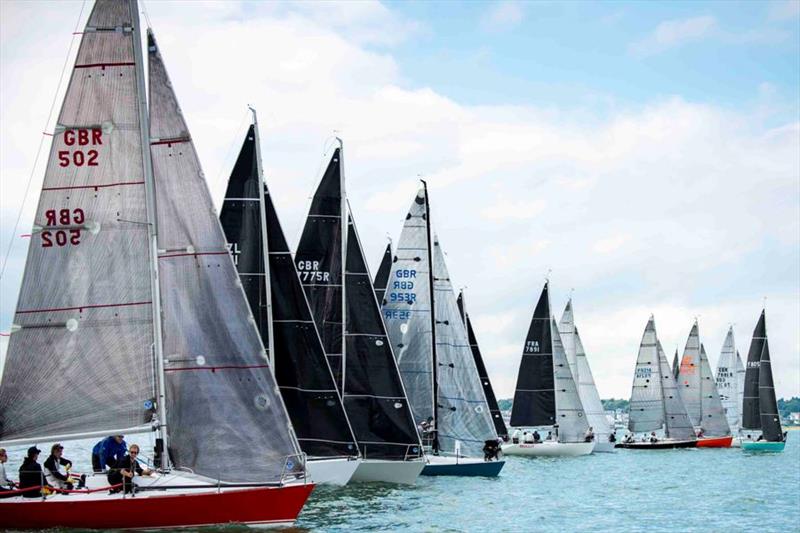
(400, 290)
(79, 141)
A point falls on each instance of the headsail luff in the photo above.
(382, 277)
(647, 397)
(570, 415)
(494, 409)
(676, 420)
(689, 376)
(728, 382)
(84, 313)
(222, 395)
(463, 413)
(301, 368)
(713, 422)
(751, 414)
(371, 389)
(767, 404)
(534, 396)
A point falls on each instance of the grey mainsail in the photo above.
(713, 422)
(676, 365)
(728, 381)
(676, 420)
(226, 417)
(688, 379)
(84, 313)
(647, 397)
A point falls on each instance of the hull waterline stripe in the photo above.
(79, 308)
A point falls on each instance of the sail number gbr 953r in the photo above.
(401, 291)
(79, 141)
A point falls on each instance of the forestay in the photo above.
(676, 420)
(463, 413)
(647, 399)
(570, 415)
(407, 311)
(689, 377)
(301, 368)
(488, 391)
(226, 418)
(728, 381)
(84, 313)
(713, 423)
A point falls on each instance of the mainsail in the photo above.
(227, 420)
(689, 386)
(491, 399)
(728, 382)
(713, 423)
(587, 390)
(570, 414)
(676, 420)
(647, 397)
(751, 414)
(382, 277)
(368, 381)
(85, 308)
(301, 368)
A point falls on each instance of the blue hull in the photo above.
(763, 446)
(485, 469)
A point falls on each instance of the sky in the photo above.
(644, 156)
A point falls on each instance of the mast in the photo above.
(265, 242)
(149, 180)
(344, 228)
(434, 365)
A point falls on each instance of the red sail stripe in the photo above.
(177, 140)
(95, 186)
(215, 368)
(192, 254)
(81, 307)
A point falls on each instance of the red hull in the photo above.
(715, 442)
(268, 505)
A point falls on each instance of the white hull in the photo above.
(403, 472)
(334, 471)
(604, 447)
(736, 442)
(549, 449)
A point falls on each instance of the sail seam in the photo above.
(215, 368)
(104, 65)
(79, 308)
(95, 186)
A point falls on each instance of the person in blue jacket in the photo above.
(108, 451)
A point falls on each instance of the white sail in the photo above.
(570, 415)
(689, 377)
(566, 328)
(728, 381)
(713, 423)
(676, 420)
(595, 414)
(647, 404)
(83, 326)
(463, 413)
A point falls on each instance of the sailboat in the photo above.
(730, 383)
(582, 373)
(759, 406)
(382, 276)
(284, 319)
(655, 402)
(546, 393)
(488, 391)
(433, 353)
(130, 318)
(698, 391)
(334, 274)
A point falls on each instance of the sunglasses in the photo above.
(134, 453)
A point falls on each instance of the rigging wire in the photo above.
(235, 139)
(41, 142)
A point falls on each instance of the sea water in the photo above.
(704, 490)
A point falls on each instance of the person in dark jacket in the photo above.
(52, 468)
(125, 469)
(107, 452)
(31, 475)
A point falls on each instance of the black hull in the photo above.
(661, 445)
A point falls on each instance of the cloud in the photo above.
(674, 33)
(784, 10)
(610, 244)
(707, 196)
(503, 16)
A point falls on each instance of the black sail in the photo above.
(534, 397)
(676, 366)
(494, 409)
(382, 277)
(768, 405)
(369, 383)
(751, 413)
(301, 368)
